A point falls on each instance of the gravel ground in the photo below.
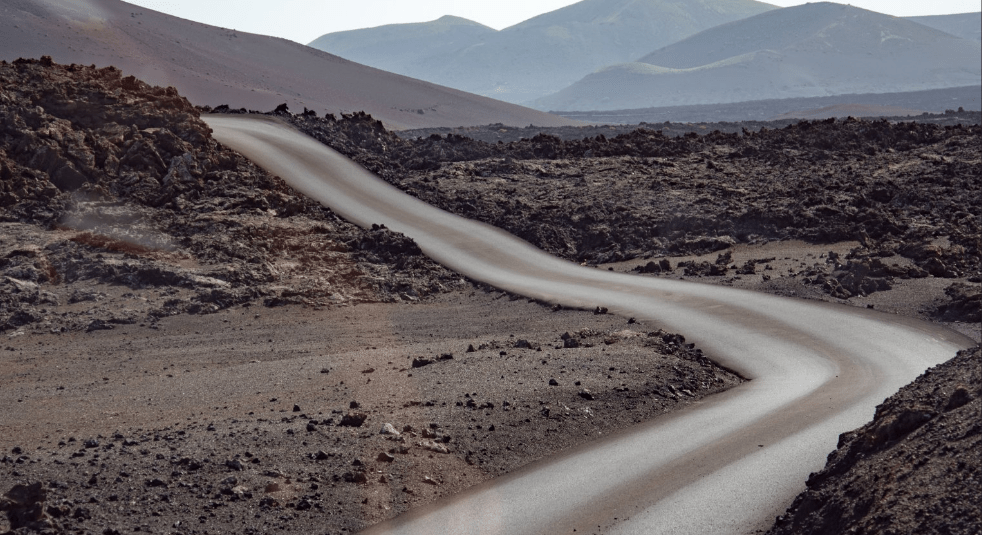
(252, 420)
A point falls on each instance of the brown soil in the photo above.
(239, 420)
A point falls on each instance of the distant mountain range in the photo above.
(964, 25)
(211, 65)
(402, 48)
(931, 100)
(539, 56)
(582, 57)
(810, 50)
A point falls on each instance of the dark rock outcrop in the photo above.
(133, 191)
(914, 469)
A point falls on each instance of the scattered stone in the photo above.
(433, 446)
(99, 325)
(356, 477)
(570, 342)
(586, 394)
(388, 429)
(24, 505)
(353, 419)
(385, 457)
(235, 464)
(268, 502)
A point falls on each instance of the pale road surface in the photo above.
(726, 465)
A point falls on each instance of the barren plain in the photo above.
(190, 346)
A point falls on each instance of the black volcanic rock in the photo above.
(914, 469)
(129, 175)
(655, 194)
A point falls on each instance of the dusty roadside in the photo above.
(255, 419)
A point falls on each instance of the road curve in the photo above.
(726, 465)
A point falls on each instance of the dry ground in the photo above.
(235, 420)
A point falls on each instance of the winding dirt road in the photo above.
(729, 465)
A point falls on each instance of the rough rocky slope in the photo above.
(105, 180)
(916, 468)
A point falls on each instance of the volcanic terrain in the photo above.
(190, 346)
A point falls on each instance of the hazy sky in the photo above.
(305, 20)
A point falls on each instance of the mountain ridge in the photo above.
(212, 65)
(811, 50)
(550, 51)
(964, 25)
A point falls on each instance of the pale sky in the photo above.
(305, 20)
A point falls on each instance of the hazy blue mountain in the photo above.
(399, 48)
(810, 50)
(964, 25)
(539, 56)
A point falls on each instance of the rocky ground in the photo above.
(251, 420)
(908, 194)
(916, 468)
(870, 214)
(117, 207)
(504, 133)
(181, 353)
